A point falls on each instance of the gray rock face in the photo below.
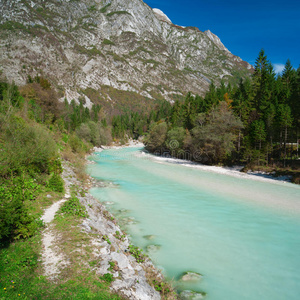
(105, 45)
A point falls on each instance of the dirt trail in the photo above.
(52, 258)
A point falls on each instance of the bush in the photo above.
(25, 146)
(137, 253)
(77, 145)
(56, 183)
(157, 136)
(84, 132)
(15, 216)
(74, 208)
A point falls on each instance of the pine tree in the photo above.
(263, 83)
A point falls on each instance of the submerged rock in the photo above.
(124, 211)
(108, 203)
(104, 184)
(153, 248)
(191, 276)
(149, 237)
(128, 221)
(191, 295)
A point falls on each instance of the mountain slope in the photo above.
(102, 47)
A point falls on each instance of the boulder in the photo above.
(191, 276)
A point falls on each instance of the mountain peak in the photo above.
(216, 40)
(108, 51)
(161, 15)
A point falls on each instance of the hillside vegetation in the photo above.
(36, 131)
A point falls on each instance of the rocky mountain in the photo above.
(110, 51)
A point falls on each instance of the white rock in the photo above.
(191, 276)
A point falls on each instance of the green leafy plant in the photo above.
(56, 183)
(73, 208)
(105, 237)
(137, 253)
(160, 286)
(119, 236)
(111, 265)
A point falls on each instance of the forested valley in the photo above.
(255, 123)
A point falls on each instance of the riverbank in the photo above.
(259, 172)
(80, 253)
(133, 273)
(130, 273)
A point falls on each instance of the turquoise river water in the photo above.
(241, 232)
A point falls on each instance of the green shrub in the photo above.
(77, 145)
(56, 183)
(84, 132)
(73, 208)
(137, 253)
(54, 166)
(17, 221)
(25, 146)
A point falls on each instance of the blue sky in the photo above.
(244, 27)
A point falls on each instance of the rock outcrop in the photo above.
(97, 49)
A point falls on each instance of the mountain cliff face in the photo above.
(101, 49)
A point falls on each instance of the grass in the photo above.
(13, 26)
(89, 52)
(21, 270)
(116, 57)
(140, 49)
(76, 245)
(164, 287)
(107, 42)
(21, 278)
(92, 8)
(104, 8)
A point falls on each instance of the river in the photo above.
(241, 232)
